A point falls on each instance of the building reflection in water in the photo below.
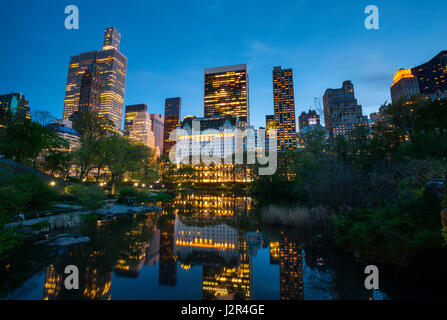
(132, 257)
(95, 282)
(204, 235)
(167, 272)
(197, 230)
(290, 268)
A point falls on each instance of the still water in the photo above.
(201, 246)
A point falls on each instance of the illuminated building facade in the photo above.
(13, 107)
(405, 84)
(137, 125)
(226, 92)
(284, 105)
(212, 133)
(157, 125)
(172, 120)
(290, 269)
(342, 113)
(112, 68)
(432, 75)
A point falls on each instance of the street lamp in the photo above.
(52, 183)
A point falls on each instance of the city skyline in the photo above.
(368, 58)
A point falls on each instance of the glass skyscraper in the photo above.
(226, 92)
(112, 67)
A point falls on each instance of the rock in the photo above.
(68, 241)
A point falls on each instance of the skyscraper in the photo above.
(172, 120)
(404, 84)
(137, 125)
(342, 113)
(157, 125)
(284, 105)
(13, 107)
(112, 67)
(226, 92)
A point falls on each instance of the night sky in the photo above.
(169, 43)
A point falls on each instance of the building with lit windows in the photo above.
(405, 84)
(172, 120)
(13, 108)
(112, 68)
(432, 76)
(137, 125)
(342, 113)
(64, 129)
(226, 92)
(284, 106)
(157, 125)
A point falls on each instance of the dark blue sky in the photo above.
(169, 43)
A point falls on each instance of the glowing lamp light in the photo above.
(52, 183)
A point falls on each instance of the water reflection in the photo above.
(199, 247)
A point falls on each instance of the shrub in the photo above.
(91, 197)
(9, 239)
(21, 193)
(128, 192)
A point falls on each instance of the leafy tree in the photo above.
(23, 142)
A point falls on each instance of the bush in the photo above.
(390, 235)
(9, 239)
(21, 193)
(128, 192)
(91, 197)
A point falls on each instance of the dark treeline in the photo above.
(373, 181)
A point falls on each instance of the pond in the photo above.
(200, 246)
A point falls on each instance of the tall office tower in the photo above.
(290, 268)
(91, 88)
(157, 125)
(13, 107)
(432, 75)
(284, 103)
(405, 84)
(341, 111)
(172, 120)
(307, 119)
(137, 125)
(112, 67)
(226, 92)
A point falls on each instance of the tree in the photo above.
(93, 130)
(59, 162)
(314, 140)
(122, 156)
(23, 142)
